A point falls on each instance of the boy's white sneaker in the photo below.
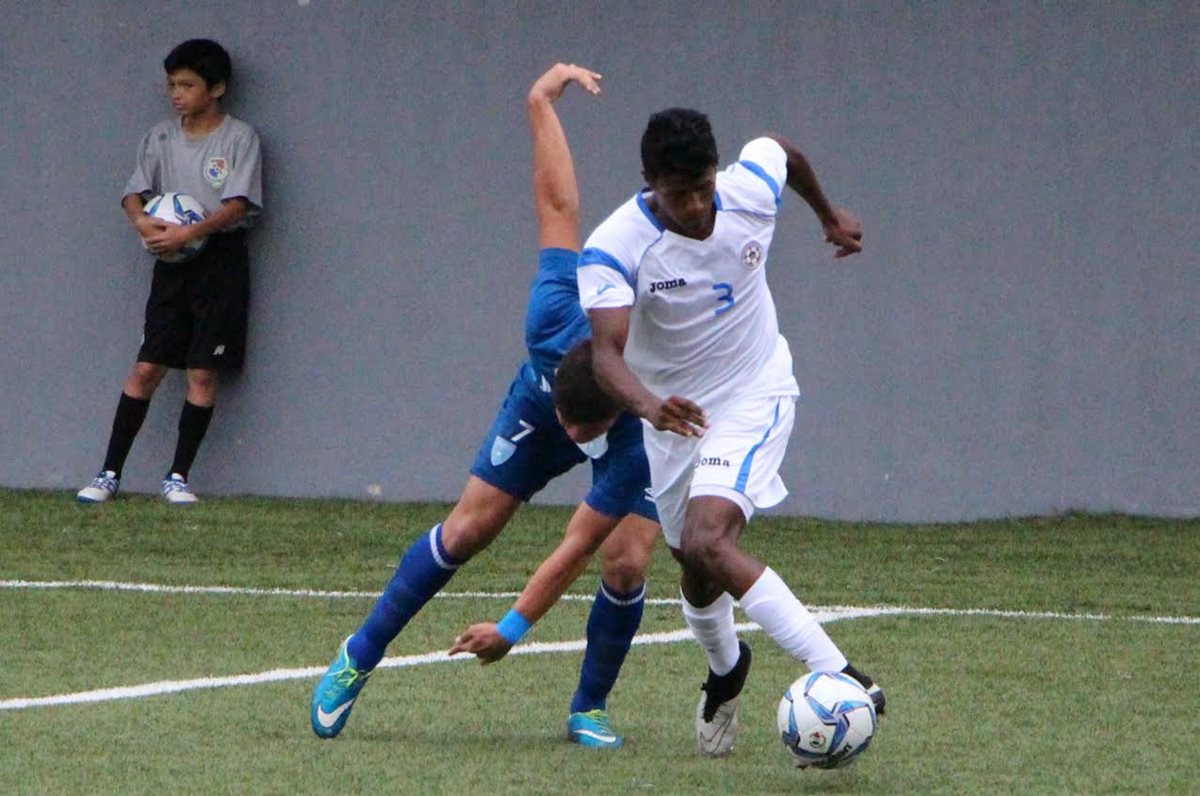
(102, 487)
(175, 489)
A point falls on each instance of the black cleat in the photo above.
(872, 688)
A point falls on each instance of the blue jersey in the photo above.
(526, 447)
(554, 320)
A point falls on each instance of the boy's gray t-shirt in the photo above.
(223, 164)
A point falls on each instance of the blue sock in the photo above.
(611, 626)
(422, 573)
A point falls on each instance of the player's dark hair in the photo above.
(577, 395)
(204, 57)
(678, 142)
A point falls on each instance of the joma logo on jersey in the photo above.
(712, 461)
(668, 284)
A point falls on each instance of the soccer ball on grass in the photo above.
(826, 720)
(177, 208)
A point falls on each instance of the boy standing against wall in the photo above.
(197, 309)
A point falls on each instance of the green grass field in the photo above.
(1054, 655)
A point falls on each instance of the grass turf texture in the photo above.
(977, 703)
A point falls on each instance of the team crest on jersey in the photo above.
(752, 254)
(502, 451)
(216, 171)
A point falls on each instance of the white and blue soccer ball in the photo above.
(826, 720)
(177, 208)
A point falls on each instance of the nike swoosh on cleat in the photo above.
(711, 742)
(599, 736)
(717, 732)
(327, 720)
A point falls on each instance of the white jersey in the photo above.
(702, 323)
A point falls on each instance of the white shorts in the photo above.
(737, 459)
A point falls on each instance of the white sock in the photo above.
(771, 604)
(712, 626)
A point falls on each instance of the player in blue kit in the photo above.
(529, 444)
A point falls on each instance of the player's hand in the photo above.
(147, 226)
(844, 231)
(550, 86)
(168, 238)
(483, 641)
(681, 416)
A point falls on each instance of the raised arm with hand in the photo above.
(555, 192)
(841, 228)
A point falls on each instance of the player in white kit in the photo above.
(685, 335)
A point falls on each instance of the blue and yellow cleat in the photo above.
(591, 729)
(336, 692)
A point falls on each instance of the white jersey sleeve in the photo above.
(608, 265)
(757, 178)
(601, 288)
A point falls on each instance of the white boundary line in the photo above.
(160, 588)
(312, 672)
(823, 614)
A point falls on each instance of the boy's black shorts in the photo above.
(197, 311)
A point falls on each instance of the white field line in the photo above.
(823, 614)
(160, 588)
(313, 672)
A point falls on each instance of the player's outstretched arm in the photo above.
(610, 329)
(555, 192)
(842, 229)
(491, 641)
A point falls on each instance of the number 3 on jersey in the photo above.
(724, 297)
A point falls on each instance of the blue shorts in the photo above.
(526, 448)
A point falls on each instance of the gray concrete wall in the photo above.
(1021, 335)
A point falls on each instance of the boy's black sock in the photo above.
(126, 423)
(193, 424)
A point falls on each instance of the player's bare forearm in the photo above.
(802, 179)
(841, 228)
(610, 328)
(586, 531)
(555, 191)
(227, 215)
(134, 206)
